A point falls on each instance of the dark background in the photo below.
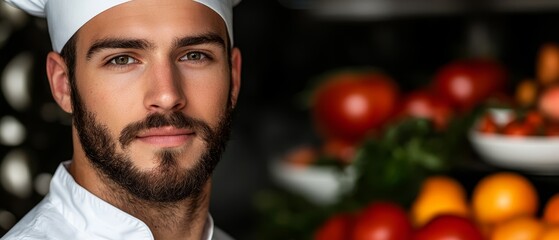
(285, 45)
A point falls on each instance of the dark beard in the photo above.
(167, 182)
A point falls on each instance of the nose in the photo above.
(164, 89)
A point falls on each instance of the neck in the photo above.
(184, 219)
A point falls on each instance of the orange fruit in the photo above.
(503, 195)
(547, 64)
(550, 233)
(438, 194)
(518, 228)
(551, 210)
(527, 92)
(486, 229)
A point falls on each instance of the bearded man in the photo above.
(151, 86)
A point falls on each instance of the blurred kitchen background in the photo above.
(285, 44)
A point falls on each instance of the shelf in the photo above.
(390, 9)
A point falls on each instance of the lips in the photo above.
(166, 136)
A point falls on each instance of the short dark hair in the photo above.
(68, 53)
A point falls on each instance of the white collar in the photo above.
(93, 215)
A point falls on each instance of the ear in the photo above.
(57, 73)
(236, 62)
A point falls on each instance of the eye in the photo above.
(194, 56)
(122, 60)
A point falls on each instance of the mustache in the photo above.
(157, 120)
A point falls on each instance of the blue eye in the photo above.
(123, 60)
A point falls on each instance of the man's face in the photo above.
(153, 95)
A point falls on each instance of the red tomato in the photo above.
(337, 227)
(382, 221)
(534, 118)
(467, 83)
(423, 104)
(519, 128)
(340, 149)
(445, 227)
(352, 104)
(487, 124)
(552, 129)
(302, 156)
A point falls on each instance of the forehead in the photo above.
(153, 20)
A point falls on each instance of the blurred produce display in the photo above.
(393, 153)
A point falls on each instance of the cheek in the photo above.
(208, 96)
(114, 104)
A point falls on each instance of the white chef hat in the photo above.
(65, 17)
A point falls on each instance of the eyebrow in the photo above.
(113, 43)
(108, 43)
(208, 38)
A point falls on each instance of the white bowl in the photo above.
(321, 185)
(535, 154)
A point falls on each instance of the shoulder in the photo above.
(44, 221)
(219, 234)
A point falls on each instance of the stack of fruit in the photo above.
(502, 206)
